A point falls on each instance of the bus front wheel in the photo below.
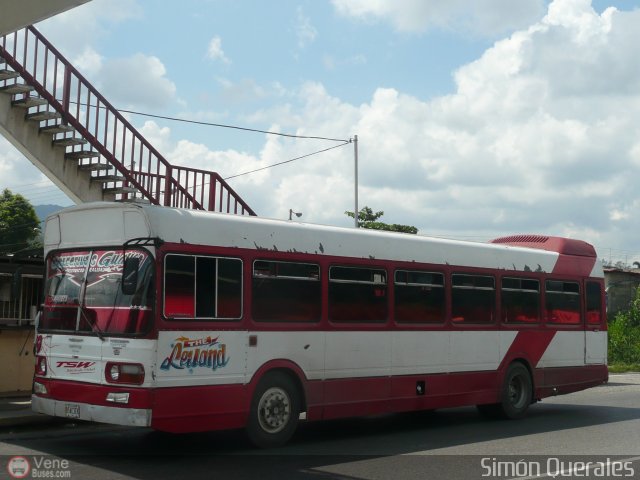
(275, 409)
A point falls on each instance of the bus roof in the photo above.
(567, 246)
(111, 224)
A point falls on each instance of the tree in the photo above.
(368, 219)
(624, 334)
(19, 224)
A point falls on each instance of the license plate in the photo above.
(72, 410)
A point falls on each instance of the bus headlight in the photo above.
(118, 397)
(129, 373)
(114, 372)
(39, 389)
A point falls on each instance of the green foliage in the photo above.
(633, 314)
(19, 224)
(624, 367)
(368, 219)
(624, 335)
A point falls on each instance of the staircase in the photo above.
(60, 122)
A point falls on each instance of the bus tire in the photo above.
(515, 395)
(517, 391)
(275, 410)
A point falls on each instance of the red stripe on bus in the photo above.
(530, 345)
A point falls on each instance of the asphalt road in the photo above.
(565, 436)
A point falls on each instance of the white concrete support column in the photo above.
(37, 147)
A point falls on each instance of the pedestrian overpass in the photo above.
(53, 115)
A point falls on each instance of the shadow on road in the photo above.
(319, 449)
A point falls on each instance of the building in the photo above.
(21, 284)
(621, 286)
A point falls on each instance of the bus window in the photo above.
(286, 292)
(419, 297)
(179, 286)
(357, 294)
(562, 302)
(520, 300)
(202, 287)
(594, 303)
(229, 288)
(473, 298)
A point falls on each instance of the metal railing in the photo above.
(137, 164)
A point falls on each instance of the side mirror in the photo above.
(130, 275)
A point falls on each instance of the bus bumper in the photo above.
(136, 417)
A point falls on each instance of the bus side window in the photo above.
(179, 286)
(520, 300)
(594, 303)
(229, 293)
(473, 298)
(202, 287)
(357, 294)
(419, 297)
(286, 292)
(562, 302)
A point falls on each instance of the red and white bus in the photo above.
(188, 321)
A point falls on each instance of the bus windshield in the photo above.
(83, 293)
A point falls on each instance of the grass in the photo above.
(624, 367)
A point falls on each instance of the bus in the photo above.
(187, 321)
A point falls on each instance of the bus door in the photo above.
(595, 327)
(203, 293)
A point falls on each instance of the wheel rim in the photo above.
(274, 410)
(517, 391)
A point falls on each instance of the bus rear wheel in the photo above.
(275, 410)
(515, 396)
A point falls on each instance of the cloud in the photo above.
(215, 52)
(242, 90)
(136, 81)
(20, 176)
(539, 136)
(89, 62)
(524, 144)
(487, 17)
(305, 31)
(330, 62)
(82, 26)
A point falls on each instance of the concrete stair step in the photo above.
(42, 116)
(7, 74)
(81, 154)
(117, 190)
(58, 128)
(16, 88)
(28, 102)
(107, 178)
(68, 142)
(94, 167)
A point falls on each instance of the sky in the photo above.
(474, 120)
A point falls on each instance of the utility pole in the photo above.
(355, 156)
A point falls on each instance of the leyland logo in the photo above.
(196, 353)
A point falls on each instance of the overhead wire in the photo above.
(53, 192)
(286, 161)
(236, 127)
